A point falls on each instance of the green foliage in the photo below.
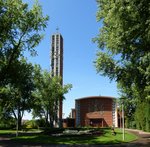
(17, 96)
(124, 56)
(124, 42)
(20, 31)
(142, 117)
(48, 94)
(30, 124)
(40, 123)
(6, 120)
(7, 123)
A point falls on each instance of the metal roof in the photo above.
(92, 97)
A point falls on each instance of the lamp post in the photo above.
(122, 117)
(123, 132)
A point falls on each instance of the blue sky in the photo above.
(77, 24)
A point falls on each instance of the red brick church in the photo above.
(94, 111)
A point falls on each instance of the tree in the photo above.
(20, 31)
(48, 93)
(18, 94)
(124, 41)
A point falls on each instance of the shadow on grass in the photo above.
(65, 140)
(40, 138)
(27, 138)
(106, 138)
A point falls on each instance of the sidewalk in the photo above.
(143, 138)
(138, 131)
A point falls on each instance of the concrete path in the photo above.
(142, 141)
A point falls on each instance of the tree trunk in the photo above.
(51, 120)
(19, 122)
(46, 120)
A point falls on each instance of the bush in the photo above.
(50, 131)
(40, 123)
(30, 124)
(7, 123)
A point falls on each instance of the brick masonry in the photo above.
(96, 111)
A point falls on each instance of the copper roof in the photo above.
(92, 97)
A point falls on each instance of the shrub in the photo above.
(8, 123)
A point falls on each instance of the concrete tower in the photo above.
(57, 66)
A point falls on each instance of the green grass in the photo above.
(7, 132)
(106, 138)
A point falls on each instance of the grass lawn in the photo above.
(11, 132)
(106, 138)
(5, 132)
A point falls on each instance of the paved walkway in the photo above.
(142, 141)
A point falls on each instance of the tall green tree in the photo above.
(20, 30)
(18, 94)
(49, 91)
(124, 44)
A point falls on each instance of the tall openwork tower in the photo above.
(57, 66)
(57, 55)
